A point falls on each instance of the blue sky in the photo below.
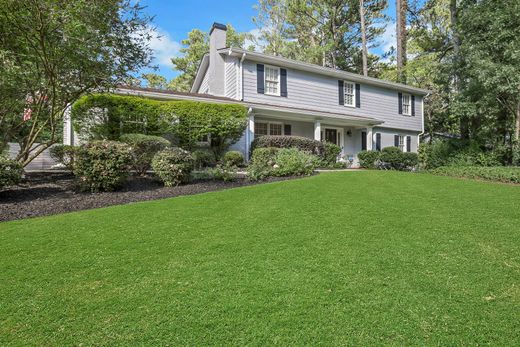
(174, 19)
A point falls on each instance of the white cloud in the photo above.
(255, 41)
(163, 46)
(388, 38)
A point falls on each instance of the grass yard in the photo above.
(357, 258)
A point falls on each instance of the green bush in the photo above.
(63, 154)
(173, 166)
(107, 116)
(462, 153)
(281, 141)
(516, 154)
(203, 159)
(233, 158)
(330, 154)
(143, 148)
(224, 173)
(271, 161)
(497, 174)
(102, 165)
(369, 159)
(10, 172)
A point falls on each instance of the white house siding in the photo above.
(204, 85)
(388, 135)
(42, 162)
(318, 92)
(231, 77)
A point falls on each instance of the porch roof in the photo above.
(303, 115)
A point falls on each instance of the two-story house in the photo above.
(288, 97)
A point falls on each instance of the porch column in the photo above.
(250, 134)
(317, 130)
(370, 139)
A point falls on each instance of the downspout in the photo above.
(241, 78)
(422, 122)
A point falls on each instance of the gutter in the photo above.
(241, 77)
(422, 121)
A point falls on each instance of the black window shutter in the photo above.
(408, 143)
(260, 78)
(341, 92)
(358, 95)
(413, 105)
(283, 82)
(396, 140)
(363, 140)
(378, 141)
(287, 129)
(400, 97)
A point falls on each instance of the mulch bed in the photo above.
(48, 193)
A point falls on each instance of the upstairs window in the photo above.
(407, 105)
(350, 94)
(272, 80)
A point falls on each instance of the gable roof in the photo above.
(299, 65)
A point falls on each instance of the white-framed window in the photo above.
(261, 128)
(272, 80)
(402, 143)
(407, 104)
(350, 93)
(268, 128)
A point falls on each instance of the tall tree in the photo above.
(272, 23)
(53, 51)
(193, 50)
(154, 80)
(364, 49)
(401, 15)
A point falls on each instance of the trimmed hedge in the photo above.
(144, 147)
(102, 165)
(108, 116)
(282, 141)
(369, 159)
(233, 158)
(271, 161)
(10, 172)
(390, 158)
(505, 174)
(173, 166)
(63, 154)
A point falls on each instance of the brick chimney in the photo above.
(216, 70)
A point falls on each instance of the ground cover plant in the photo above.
(504, 174)
(345, 258)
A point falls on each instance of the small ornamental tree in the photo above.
(143, 149)
(173, 166)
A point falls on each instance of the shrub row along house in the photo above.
(288, 97)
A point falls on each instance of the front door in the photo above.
(331, 135)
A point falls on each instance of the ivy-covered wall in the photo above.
(108, 116)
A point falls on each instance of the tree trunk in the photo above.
(363, 37)
(401, 10)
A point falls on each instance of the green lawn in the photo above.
(358, 258)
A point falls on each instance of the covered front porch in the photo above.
(351, 134)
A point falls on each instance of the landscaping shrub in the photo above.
(64, 155)
(233, 158)
(369, 159)
(410, 160)
(272, 161)
(497, 174)
(203, 159)
(516, 154)
(226, 173)
(330, 154)
(10, 172)
(391, 159)
(281, 141)
(173, 166)
(102, 165)
(107, 116)
(143, 148)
